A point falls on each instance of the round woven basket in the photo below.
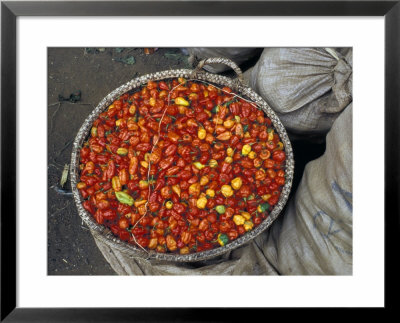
(105, 235)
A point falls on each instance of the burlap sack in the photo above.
(314, 236)
(238, 54)
(307, 87)
(246, 260)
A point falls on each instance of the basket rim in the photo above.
(105, 234)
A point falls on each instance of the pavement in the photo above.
(78, 79)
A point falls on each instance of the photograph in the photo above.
(203, 159)
(200, 161)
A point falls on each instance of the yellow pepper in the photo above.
(247, 135)
(229, 124)
(246, 150)
(246, 215)
(238, 219)
(118, 122)
(201, 202)
(181, 101)
(194, 189)
(252, 155)
(153, 243)
(152, 102)
(93, 131)
(236, 183)
(248, 225)
(279, 145)
(169, 205)
(116, 184)
(229, 152)
(228, 160)
(270, 134)
(198, 165)
(210, 192)
(81, 185)
(184, 250)
(144, 164)
(201, 134)
(213, 163)
(204, 180)
(111, 106)
(132, 109)
(266, 197)
(122, 151)
(226, 190)
(182, 109)
(193, 96)
(177, 189)
(143, 184)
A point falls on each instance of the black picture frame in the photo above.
(10, 10)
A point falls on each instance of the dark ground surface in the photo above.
(95, 73)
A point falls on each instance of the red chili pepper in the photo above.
(279, 156)
(133, 165)
(234, 141)
(109, 214)
(179, 208)
(184, 174)
(110, 169)
(163, 86)
(280, 180)
(171, 150)
(165, 163)
(143, 147)
(224, 179)
(271, 145)
(273, 186)
(138, 231)
(173, 136)
(88, 207)
(98, 216)
(154, 206)
(84, 152)
(247, 163)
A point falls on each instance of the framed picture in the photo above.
(43, 45)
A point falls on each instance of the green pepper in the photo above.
(263, 207)
(222, 239)
(124, 198)
(220, 209)
(215, 109)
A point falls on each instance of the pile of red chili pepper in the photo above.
(181, 166)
